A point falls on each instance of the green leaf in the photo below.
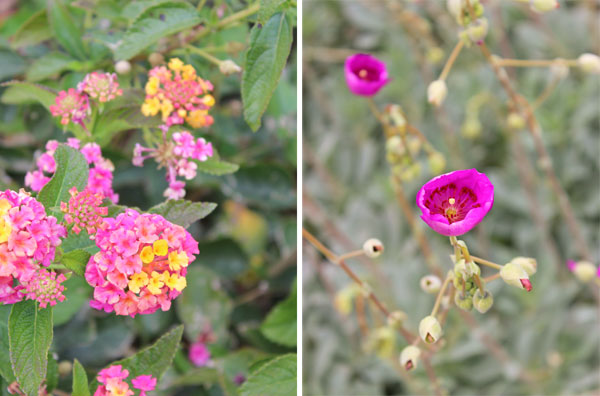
(80, 380)
(266, 185)
(32, 31)
(30, 336)
(77, 293)
(268, 8)
(5, 367)
(76, 261)
(270, 46)
(154, 360)
(11, 64)
(66, 32)
(280, 326)
(80, 241)
(71, 171)
(153, 24)
(122, 119)
(50, 65)
(217, 167)
(182, 212)
(224, 256)
(20, 92)
(52, 374)
(277, 377)
(135, 9)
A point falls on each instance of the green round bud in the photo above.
(430, 329)
(463, 302)
(585, 271)
(437, 162)
(484, 302)
(515, 121)
(527, 263)
(430, 284)
(409, 357)
(471, 129)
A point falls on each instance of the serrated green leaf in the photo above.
(280, 326)
(270, 46)
(52, 374)
(66, 32)
(49, 65)
(76, 261)
(135, 9)
(32, 31)
(268, 8)
(154, 360)
(79, 241)
(274, 378)
(5, 366)
(112, 122)
(183, 212)
(71, 171)
(217, 167)
(152, 25)
(20, 92)
(30, 336)
(77, 293)
(80, 380)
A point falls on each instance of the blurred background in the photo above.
(247, 263)
(543, 342)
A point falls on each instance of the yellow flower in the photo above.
(156, 283)
(188, 73)
(5, 230)
(137, 281)
(152, 86)
(151, 107)
(147, 255)
(181, 112)
(208, 100)
(174, 281)
(4, 206)
(197, 118)
(166, 108)
(161, 247)
(175, 64)
(178, 260)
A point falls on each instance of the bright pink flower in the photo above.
(571, 265)
(454, 203)
(365, 74)
(101, 86)
(145, 383)
(141, 265)
(45, 287)
(84, 211)
(101, 169)
(199, 354)
(175, 190)
(70, 106)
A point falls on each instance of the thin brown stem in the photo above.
(486, 262)
(459, 45)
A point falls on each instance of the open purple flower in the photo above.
(454, 203)
(365, 74)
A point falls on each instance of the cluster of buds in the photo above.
(101, 173)
(467, 291)
(73, 105)
(28, 241)
(469, 15)
(112, 380)
(84, 211)
(179, 95)
(177, 155)
(583, 270)
(141, 265)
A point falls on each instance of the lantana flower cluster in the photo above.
(179, 95)
(141, 265)
(73, 105)
(84, 211)
(28, 241)
(101, 173)
(112, 380)
(177, 155)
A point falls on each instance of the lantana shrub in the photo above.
(135, 251)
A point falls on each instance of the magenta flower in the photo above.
(145, 383)
(70, 106)
(199, 354)
(365, 74)
(454, 203)
(84, 210)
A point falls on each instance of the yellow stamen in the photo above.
(452, 201)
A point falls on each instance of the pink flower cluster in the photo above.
(141, 265)
(101, 174)
(28, 241)
(84, 211)
(101, 86)
(73, 105)
(177, 156)
(113, 382)
(199, 354)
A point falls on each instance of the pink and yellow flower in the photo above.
(133, 274)
(70, 106)
(103, 87)
(112, 380)
(84, 211)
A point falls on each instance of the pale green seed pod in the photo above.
(430, 284)
(478, 30)
(515, 121)
(585, 271)
(409, 357)
(373, 248)
(436, 92)
(484, 302)
(527, 263)
(463, 302)
(228, 67)
(430, 329)
(516, 276)
(541, 6)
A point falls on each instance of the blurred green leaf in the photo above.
(224, 256)
(77, 293)
(268, 8)
(30, 336)
(274, 378)
(270, 46)
(265, 185)
(153, 24)
(19, 92)
(52, 374)
(71, 171)
(121, 119)
(135, 9)
(66, 32)
(33, 31)
(216, 166)
(6, 370)
(80, 380)
(50, 65)
(198, 376)
(76, 261)
(280, 326)
(182, 212)
(11, 64)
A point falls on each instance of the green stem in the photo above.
(204, 54)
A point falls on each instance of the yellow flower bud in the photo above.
(382, 341)
(430, 329)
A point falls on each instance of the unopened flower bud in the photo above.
(527, 263)
(123, 67)
(394, 147)
(516, 276)
(156, 59)
(430, 284)
(541, 6)
(396, 117)
(430, 329)
(64, 368)
(559, 69)
(435, 55)
(228, 67)
(584, 271)
(515, 121)
(589, 63)
(484, 302)
(373, 248)
(437, 162)
(344, 298)
(396, 318)
(477, 30)
(471, 128)
(410, 173)
(409, 357)
(463, 301)
(382, 341)
(454, 7)
(436, 92)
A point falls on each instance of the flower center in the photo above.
(452, 202)
(363, 73)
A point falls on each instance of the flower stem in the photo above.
(374, 109)
(438, 300)
(459, 45)
(352, 254)
(545, 94)
(479, 284)
(491, 278)
(204, 54)
(486, 262)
